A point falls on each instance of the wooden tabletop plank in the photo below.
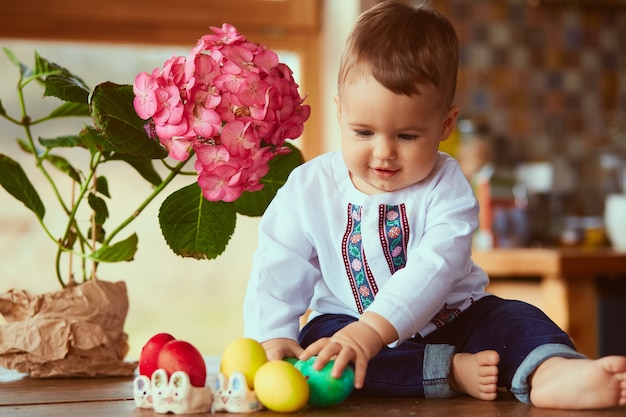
(19, 389)
(112, 397)
(504, 406)
(29, 391)
(91, 409)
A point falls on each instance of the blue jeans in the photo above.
(521, 333)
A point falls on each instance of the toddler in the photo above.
(376, 241)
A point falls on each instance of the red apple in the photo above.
(150, 353)
(179, 355)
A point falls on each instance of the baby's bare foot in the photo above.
(476, 374)
(579, 383)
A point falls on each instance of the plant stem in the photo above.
(26, 123)
(97, 157)
(71, 255)
(57, 264)
(93, 230)
(173, 173)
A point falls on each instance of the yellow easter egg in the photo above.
(243, 355)
(281, 387)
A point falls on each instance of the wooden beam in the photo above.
(155, 21)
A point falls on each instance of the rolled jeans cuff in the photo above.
(520, 388)
(437, 362)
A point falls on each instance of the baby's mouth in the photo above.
(385, 173)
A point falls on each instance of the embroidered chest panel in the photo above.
(393, 232)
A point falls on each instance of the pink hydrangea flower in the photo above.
(221, 183)
(231, 102)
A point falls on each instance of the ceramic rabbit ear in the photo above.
(237, 382)
(159, 379)
(219, 382)
(233, 395)
(142, 392)
(178, 396)
(180, 380)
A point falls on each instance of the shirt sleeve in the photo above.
(284, 269)
(438, 261)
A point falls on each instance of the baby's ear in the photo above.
(336, 99)
(449, 122)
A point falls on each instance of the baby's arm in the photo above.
(280, 348)
(358, 342)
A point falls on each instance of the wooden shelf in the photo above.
(573, 263)
(567, 283)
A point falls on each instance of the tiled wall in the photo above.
(550, 78)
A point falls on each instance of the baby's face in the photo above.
(390, 141)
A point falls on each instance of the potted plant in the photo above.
(222, 114)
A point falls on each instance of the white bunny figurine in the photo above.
(142, 390)
(233, 395)
(177, 395)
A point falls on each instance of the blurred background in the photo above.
(542, 135)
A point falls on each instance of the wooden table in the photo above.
(568, 282)
(21, 396)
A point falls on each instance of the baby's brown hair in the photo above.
(403, 47)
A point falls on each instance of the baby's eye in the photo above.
(406, 136)
(363, 133)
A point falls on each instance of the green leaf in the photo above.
(143, 166)
(24, 70)
(99, 207)
(9, 53)
(195, 227)
(121, 251)
(102, 186)
(100, 234)
(66, 141)
(254, 203)
(61, 83)
(14, 180)
(25, 146)
(114, 115)
(64, 166)
(69, 109)
(94, 140)
(66, 88)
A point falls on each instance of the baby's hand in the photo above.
(280, 348)
(357, 343)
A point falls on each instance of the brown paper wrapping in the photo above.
(74, 332)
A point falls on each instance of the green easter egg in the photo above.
(291, 360)
(324, 390)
